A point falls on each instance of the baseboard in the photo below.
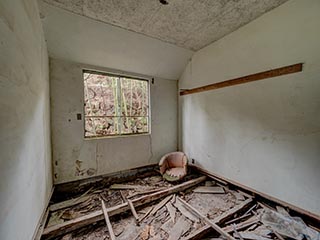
(38, 231)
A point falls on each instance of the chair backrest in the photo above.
(172, 160)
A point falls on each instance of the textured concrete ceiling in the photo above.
(191, 24)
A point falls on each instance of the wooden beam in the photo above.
(106, 217)
(134, 212)
(71, 225)
(249, 78)
(205, 219)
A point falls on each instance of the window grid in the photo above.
(123, 119)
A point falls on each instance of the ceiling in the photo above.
(191, 24)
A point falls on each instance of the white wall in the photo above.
(80, 39)
(25, 155)
(265, 134)
(72, 153)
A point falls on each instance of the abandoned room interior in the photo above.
(160, 119)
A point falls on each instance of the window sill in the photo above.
(116, 136)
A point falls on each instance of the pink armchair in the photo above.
(173, 166)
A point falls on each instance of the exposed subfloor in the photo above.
(236, 212)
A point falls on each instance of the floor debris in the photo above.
(150, 208)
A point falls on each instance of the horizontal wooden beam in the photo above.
(249, 78)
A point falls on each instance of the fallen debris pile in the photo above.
(151, 208)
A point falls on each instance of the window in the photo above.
(115, 105)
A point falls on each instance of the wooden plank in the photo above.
(206, 220)
(125, 187)
(209, 190)
(133, 210)
(223, 217)
(77, 223)
(146, 192)
(106, 217)
(145, 215)
(160, 205)
(246, 79)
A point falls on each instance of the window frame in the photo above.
(118, 75)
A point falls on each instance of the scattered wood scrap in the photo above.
(204, 189)
(93, 217)
(226, 211)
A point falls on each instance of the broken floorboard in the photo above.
(93, 217)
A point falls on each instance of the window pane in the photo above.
(134, 125)
(101, 126)
(115, 105)
(99, 94)
(135, 100)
